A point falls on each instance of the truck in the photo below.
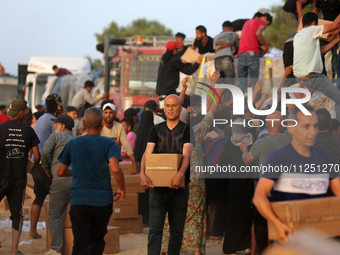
(41, 81)
(9, 89)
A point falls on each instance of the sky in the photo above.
(66, 28)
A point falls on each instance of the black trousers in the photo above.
(89, 227)
(14, 190)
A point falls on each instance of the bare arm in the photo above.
(36, 154)
(260, 38)
(134, 163)
(175, 182)
(64, 171)
(118, 174)
(316, 11)
(184, 89)
(332, 26)
(299, 9)
(145, 180)
(246, 156)
(262, 204)
(330, 45)
(335, 186)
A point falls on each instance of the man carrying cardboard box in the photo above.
(301, 181)
(91, 191)
(171, 136)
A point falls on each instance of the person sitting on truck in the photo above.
(83, 99)
(169, 68)
(60, 71)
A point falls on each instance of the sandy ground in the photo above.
(130, 244)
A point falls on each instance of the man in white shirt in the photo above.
(83, 99)
(307, 63)
(115, 131)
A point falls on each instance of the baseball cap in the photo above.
(66, 120)
(263, 10)
(111, 106)
(16, 106)
(171, 45)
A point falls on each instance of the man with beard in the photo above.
(203, 42)
(115, 131)
(169, 68)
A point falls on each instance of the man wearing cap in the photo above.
(61, 186)
(83, 99)
(78, 127)
(42, 182)
(16, 139)
(170, 67)
(249, 51)
(115, 131)
(226, 45)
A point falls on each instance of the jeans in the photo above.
(89, 227)
(323, 84)
(225, 66)
(171, 201)
(248, 62)
(59, 198)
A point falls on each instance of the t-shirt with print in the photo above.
(228, 37)
(89, 156)
(303, 177)
(249, 41)
(171, 141)
(16, 139)
(307, 55)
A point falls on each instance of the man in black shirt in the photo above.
(16, 139)
(169, 68)
(171, 136)
(203, 42)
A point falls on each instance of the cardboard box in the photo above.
(190, 56)
(127, 226)
(320, 22)
(132, 184)
(126, 209)
(111, 240)
(161, 168)
(127, 167)
(323, 214)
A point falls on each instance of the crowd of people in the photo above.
(74, 149)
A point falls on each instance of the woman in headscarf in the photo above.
(146, 123)
(239, 192)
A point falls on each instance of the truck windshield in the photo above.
(8, 94)
(39, 92)
(143, 72)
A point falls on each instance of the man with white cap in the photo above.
(115, 131)
(16, 139)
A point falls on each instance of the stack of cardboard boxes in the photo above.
(125, 213)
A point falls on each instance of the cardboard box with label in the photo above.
(161, 168)
(127, 209)
(323, 214)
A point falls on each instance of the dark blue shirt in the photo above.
(90, 156)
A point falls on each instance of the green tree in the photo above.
(140, 26)
(97, 63)
(277, 32)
